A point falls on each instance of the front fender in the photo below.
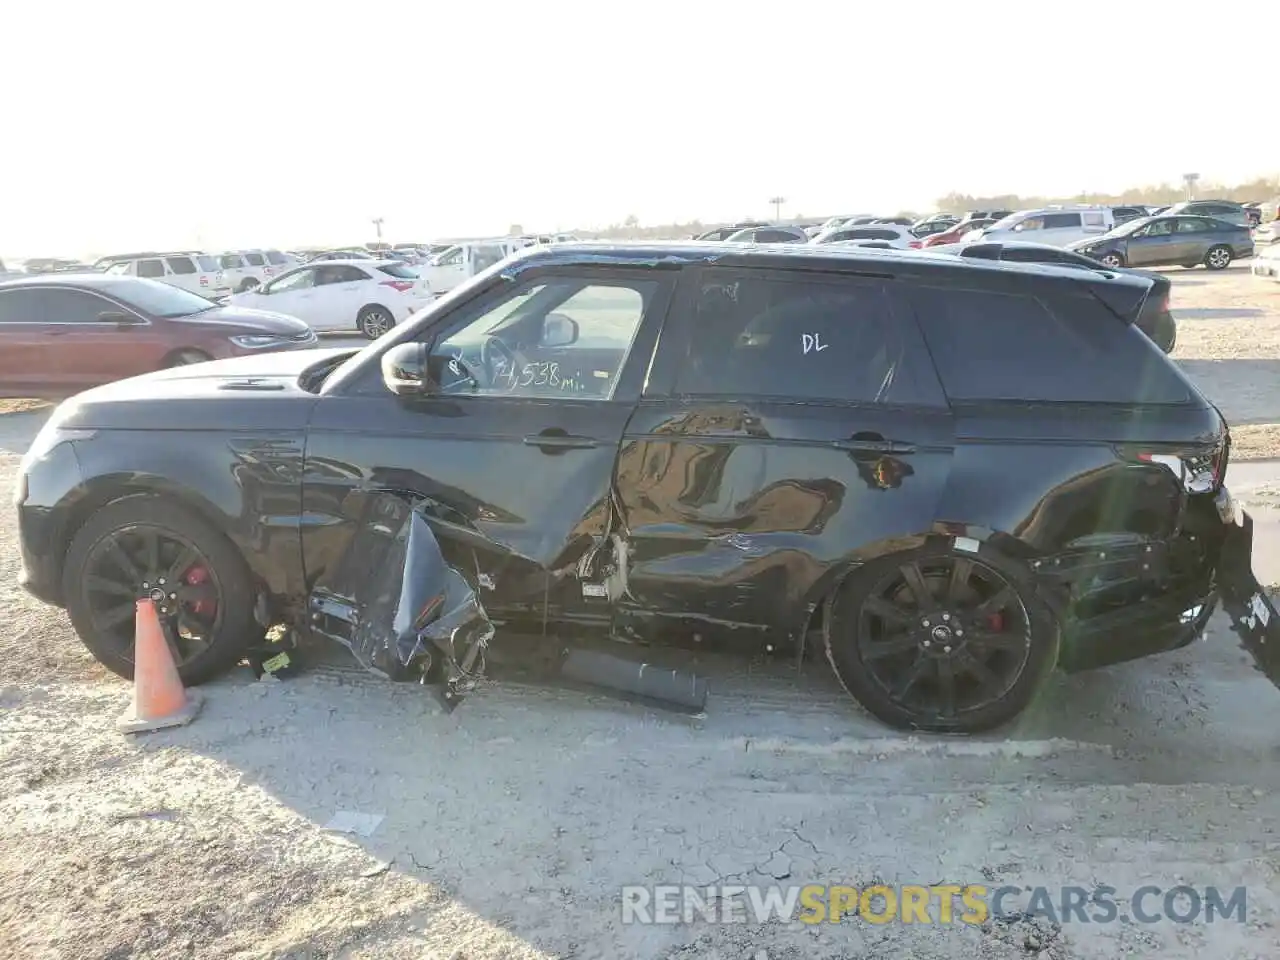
(248, 486)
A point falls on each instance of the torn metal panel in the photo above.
(413, 610)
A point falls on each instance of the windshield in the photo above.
(1006, 223)
(1130, 226)
(444, 255)
(159, 299)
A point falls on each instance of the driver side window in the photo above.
(561, 337)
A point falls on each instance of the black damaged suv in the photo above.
(947, 476)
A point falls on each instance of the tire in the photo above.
(1025, 656)
(247, 284)
(234, 625)
(1218, 257)
(1168, 336)
(183, 358)
(1112, 260)
(375, 320)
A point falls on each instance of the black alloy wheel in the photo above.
(144, 547)
(942, 641)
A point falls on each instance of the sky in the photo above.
(140, 125)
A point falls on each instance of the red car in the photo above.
(63, 333)
(955, 233)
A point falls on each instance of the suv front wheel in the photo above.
(941, 640)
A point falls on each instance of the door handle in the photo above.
(873, 443)
(555, 439)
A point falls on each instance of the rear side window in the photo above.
(1056, 347)
(275, 258)
(20, 306)
(839, 341)
(398, 270)
(1055, 221)
(254, 259)
(153, 268)
(181, 265)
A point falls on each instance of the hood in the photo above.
(256, 393)
(235, 318)
(1088, 242)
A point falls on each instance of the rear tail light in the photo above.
(400, 285)
(914, 244)
(1197, 472)
(204, 281)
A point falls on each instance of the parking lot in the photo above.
(509, 826)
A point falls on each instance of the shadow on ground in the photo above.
(522, 814)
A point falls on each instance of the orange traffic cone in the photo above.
(158, 697)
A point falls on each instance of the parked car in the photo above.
(1124, 214)
(888, 233)
(955, 232)
(770, 234)
(989, 474)
(246, 269)
(196, 273)
(1056, 226)
(457, 264)
(723, 233)
(1227, 210)
(1170, 239)
(1267, 234)
(60, 334)
(1154, 319)
(1266, 263)
(371, 296)
(347, 253)
(972, 215)
(933, 225)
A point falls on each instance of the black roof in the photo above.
(867, 261)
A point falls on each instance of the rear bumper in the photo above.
(1177, 616)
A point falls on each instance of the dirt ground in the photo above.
(509, 826)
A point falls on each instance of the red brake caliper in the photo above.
(996, 621)
(197, 575)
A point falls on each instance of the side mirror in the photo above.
(119, 318)
(559, 331)
(404, 370)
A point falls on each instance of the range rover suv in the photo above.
(946, 476)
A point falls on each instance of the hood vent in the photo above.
(251, 383)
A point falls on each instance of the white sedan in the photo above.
(878, 234)
(371, 296)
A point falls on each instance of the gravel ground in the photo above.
(509, 826)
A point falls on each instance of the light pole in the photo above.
(377, 225)
(1190, 180)
(777, 206)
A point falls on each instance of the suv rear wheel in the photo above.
(941, 640)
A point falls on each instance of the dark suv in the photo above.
(946, 476)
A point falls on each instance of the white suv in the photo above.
(246, 269)
(1055, 226)
(195, 272)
